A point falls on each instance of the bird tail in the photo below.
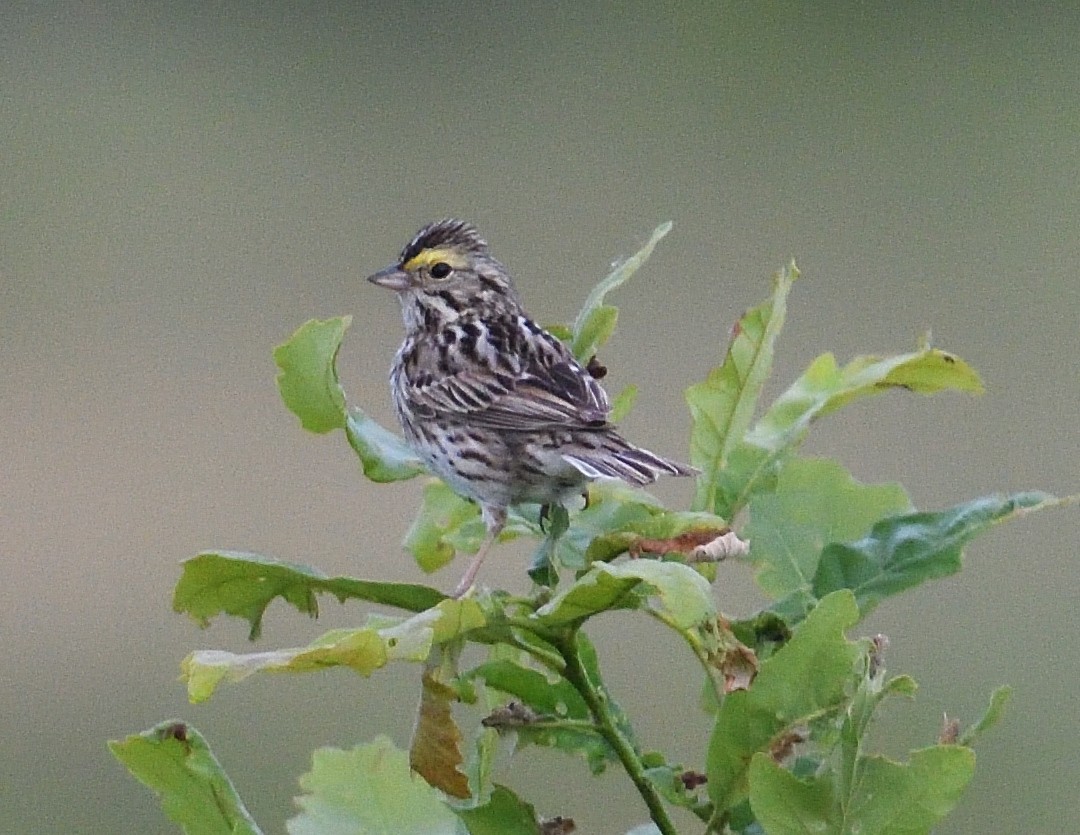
(609, 456)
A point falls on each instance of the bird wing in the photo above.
(538, 386)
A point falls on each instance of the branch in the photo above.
(597, 701)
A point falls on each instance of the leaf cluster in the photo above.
(789, 695)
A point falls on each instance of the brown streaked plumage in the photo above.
(495, 405)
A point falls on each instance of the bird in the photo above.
(492, 403)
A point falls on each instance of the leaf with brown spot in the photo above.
(557, 825)
(950, 731)
(739, 665)
(435, 752)
(683, 543)
(512, 715)
(728, 544)
(174, 760)
(783, 746)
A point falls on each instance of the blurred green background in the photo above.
(184, 184)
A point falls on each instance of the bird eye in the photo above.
(440, 270)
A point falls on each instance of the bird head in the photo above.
(447, 270)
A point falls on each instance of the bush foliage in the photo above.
(790, 695)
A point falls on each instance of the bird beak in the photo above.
(393, 278)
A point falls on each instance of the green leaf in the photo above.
(175, 762)
(369, 790)
(675, 590)
(816, 502)
(823, 389)
(904, 551)
(622, 403)
(902, 798)
(442, 512)
(612, 506)
(595, 331)
(482, 760)
(619, 517)
(308, 383)
(668, 780)
(803, 679)
(655, 532)
(308, 380)
(542, 569)
(999, 700)
(554, 698)
(785, 804)
(562, 718)
(723, 405)
(763, 632)
(383, 455)
(871, 690)
(890, 798)
(555, 714)
(448, 524)
(560, 331)
(595, 321)
(243, 585)
(363, 650)
(504, 814)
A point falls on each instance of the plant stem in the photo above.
(597, 701)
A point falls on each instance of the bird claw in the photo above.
(545, 517)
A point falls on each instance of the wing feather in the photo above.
(538, 386)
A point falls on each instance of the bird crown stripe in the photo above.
(444, 233)
(427, 257)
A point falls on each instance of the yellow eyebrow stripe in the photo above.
(427, 257)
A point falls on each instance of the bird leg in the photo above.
(547, 508)
(495, 520)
